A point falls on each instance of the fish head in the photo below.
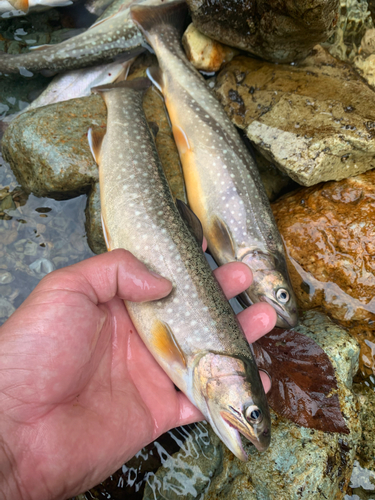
(234, 401)
(271, 284)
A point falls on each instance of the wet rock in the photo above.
(6, 308)
(274, 180)
(329, 235)
(312, 120)
(364, 470)
(300, 463)
(48, 150)
(93, 223)
(203, 52)
(5, 277)
(42, 267)
(274, 30)
(354, 20)
(196, 463)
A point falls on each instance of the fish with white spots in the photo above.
(222, 181)
(103, 41)
(193, 333)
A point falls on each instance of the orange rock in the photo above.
(329, 233)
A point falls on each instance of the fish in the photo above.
(223, 185)
(192, 333)
(9, 8)
(97, 7)
(75, 84)
(103, 41)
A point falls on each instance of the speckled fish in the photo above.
(75, 84)
(101, 42)
(222, 182)
(193, 333)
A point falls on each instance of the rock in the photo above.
(366, 68)
(48, 150)
(188, 472)
(203, 52)
(278, 31)
(93, 223)
(42, 267)
(6, 309)
(274, 180)
(312, 120)
(5, 278)
(300, 463)
(366, 448)
(329, 235)
(354, 20)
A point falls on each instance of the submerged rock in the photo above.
(312, 120)
(298, 459)
(354, 20)
(274, 30)
(329, 234)
(48, 150)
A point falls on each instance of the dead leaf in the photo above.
(304, 386)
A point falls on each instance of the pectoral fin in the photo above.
(20, 4)
(192, 221)
(221, 237)
(95, 138)
(156, 76)
(166, 344)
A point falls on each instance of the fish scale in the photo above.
(193, 333)
(223, 185)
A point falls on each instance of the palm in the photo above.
(93, 395)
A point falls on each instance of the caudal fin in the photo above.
(151, 17)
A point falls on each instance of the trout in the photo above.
(103, 41)
(193, 333)
(223, 185)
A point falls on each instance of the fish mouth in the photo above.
(261, 441)
(284, 319)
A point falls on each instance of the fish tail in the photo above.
(140, 84)
(150, 18)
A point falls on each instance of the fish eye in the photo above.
(253, 415)
(282, 295)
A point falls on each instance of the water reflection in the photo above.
(37, 235)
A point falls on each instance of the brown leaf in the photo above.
(304, 386)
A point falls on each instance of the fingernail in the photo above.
(157, 276)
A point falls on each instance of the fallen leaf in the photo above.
(304, 386)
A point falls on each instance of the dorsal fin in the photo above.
(192, 221)
(95, 138)
(222, 238)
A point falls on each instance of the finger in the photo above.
(234, 278)
(188, 412)
(104, 276)
(257, 320)
(204, 244)
(266, 381)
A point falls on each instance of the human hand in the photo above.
(80, 393)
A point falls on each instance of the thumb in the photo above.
(104, 276)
